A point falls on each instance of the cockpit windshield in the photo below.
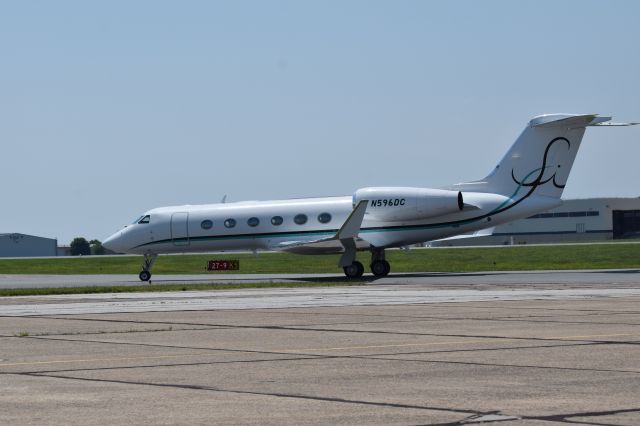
(142, 219)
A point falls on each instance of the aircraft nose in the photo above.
(114, 242)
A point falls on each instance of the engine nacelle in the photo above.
(397, 204)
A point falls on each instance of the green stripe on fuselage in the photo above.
(330, 232)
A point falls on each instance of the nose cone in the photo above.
(114, 243)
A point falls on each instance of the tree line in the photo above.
(81, 247)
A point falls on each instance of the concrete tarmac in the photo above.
(549, 350)
(617, 276)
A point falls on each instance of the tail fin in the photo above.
(541, 157)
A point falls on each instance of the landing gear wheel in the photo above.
(355, 270)
(149, 260)
(380, 268)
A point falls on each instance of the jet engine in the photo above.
(397, 204)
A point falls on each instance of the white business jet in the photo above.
(529, 179)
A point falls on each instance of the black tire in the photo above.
(355, 270)
(145, 276)
(380, 268)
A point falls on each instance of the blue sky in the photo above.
(109, 109)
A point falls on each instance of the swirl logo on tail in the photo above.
(539, 179)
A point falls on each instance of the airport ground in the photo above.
(515, 348)
(610, 255)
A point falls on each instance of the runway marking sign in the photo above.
(223, 265)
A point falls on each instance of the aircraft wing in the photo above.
(322, 246)
(334, 244)
(481, 233)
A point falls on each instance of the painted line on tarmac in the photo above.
(134, 358)
(467, 342)
(591, 336)
(399, 345)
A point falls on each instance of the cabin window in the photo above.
(253, 222)
(277, 220)
(206, 224)
(324, 218)
(230, 223)
(145, 219)
(300, 219)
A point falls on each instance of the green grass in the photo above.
(589, 256)
(559, 257)
(169, 287)
(516, 258)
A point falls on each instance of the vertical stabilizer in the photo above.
(540, 159)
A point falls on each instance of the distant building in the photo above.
(22, 245)
(583, 220)
(64, 251)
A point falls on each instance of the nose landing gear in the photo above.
(149, 260)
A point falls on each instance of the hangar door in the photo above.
(626, 223)
(180, 229)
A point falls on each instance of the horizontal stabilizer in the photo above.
(574, 121)
(609, 123)
(606, 121)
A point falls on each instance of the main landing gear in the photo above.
(149, 260)
(379, 266)
(355, 270)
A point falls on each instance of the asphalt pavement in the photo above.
(539, 348)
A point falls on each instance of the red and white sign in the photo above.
(223, 265)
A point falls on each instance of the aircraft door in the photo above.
(180, 229)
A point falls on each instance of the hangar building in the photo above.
(23, 245)
(582, 220)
